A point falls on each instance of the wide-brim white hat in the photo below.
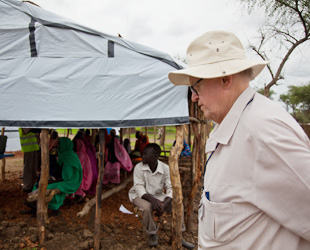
(215, 54)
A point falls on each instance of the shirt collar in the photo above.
(223, 132)
(158, 169)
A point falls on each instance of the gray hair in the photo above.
(248, 73)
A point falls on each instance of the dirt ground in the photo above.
(67, 231)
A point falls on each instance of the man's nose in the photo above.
(194, 97)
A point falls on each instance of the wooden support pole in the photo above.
(93, 136)
(3, 169)
(99, 189)
(42, 216)
(196, 172)
(3, 161)
(121, 139)
(162, 139)
(177, 202)
(129, 137)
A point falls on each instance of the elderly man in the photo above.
(151, 178)
(257, 181)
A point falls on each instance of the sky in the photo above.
(170, 26)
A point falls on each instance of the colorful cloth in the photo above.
(53, 143)
(71, 173)
(141, 142)
(28, 141)
(112, 169)
(186, 152)
(145, 141)
(86, 166)
(91, 152)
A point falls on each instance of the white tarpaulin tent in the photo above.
(13, 141)
(55, 73)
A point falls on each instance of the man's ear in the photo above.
(226, 81)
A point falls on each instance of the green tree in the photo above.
(271, 93)
(287, 27)
(297, 100)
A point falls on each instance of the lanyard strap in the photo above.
(204, 172)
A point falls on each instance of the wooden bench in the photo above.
(185, 163)
(5, 155)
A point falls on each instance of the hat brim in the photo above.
(215, 70)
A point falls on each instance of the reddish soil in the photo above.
(67, 231)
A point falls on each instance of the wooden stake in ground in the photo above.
(3, 161)
(196, 172)
(98, 190)
(42, 216)
(177, 202)
(162, 139)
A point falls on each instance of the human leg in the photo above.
(148, 222)
(31, 162)
(147, 214)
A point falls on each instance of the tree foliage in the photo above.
(297, 100)
(287, 27)
(271, 93)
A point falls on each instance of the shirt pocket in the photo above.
(159, 186)
(216, 222)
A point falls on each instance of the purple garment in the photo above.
(91, 151)
(112, 169)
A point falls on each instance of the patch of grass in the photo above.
(63, 131)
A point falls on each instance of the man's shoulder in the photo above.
(139, 165)
(266, 118)
(164, 166)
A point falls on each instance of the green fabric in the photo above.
(28, 141)
(71, 173)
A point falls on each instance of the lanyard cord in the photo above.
(204, 172)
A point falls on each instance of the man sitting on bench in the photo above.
(150, 178)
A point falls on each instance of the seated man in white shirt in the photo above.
(151, 177)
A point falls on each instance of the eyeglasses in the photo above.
(192, 87)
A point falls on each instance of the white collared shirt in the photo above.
(145, 181)
(258, 180)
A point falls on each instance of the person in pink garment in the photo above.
(116, 157)
(91, 152)
(87, 170)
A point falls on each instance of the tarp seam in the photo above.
(110, 48)
(32, 39)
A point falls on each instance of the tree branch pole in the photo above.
(99, 189)
(196, 160)
(3, 160)
(42, 215)
(177, 202)
(88, 206)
